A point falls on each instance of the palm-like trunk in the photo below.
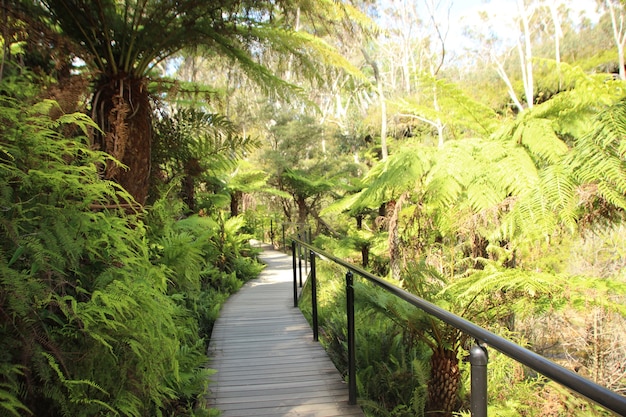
(122, 109)
(302, 209)
(235, 201)
(445, 380)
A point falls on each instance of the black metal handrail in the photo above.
(602, 396)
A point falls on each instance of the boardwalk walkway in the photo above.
(267, 363)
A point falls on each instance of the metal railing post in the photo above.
(478, 359)
(306, 260)
(351, 337)
(295, 281)
(314, 297)
(300, 260)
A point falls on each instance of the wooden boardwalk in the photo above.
(267, 363)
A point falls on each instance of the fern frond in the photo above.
(598, 157)
(183, 257)
(500, 291)
(10, 389)
(75, 388)
(402, 171)
(539, 137)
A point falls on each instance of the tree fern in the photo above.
(402, 171)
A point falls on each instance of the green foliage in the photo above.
(74, 279)
(249, 179)
(403, 171)
(102, 313)
(298, 183)
(190, 136)
(597, 161)
(131, 38)
(205, 260)
(9, 390)
(198, 149)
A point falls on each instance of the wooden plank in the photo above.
(266, 361)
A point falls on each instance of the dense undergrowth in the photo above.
(103, 311)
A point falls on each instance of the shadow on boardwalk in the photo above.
(267, 363)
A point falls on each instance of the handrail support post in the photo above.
(300, 260)
(295, 279)
(314, 297)
(478, 359)
(351, 337)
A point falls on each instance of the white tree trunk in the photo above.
(509, 86)
(383, 104)
(526, 55)
(619, 35)
(383, 120)
(558, 34)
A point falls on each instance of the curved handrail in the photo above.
(604, 397)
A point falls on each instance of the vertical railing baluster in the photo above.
(306, 261)
(478, 360)
(351, 337)
(284, 241)
(295, 280)
(314, 297)
(300, 259)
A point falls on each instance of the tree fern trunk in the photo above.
(235, 199)
(122, 109)
(302, 209)
(445, 380)
(188, 192)
(365, 255)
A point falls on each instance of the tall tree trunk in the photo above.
(509, 85)
(619, 34)
(192, 169)
(526, 55)
(383, 120)
(122, 109)
(558, 34)
(383, 104)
